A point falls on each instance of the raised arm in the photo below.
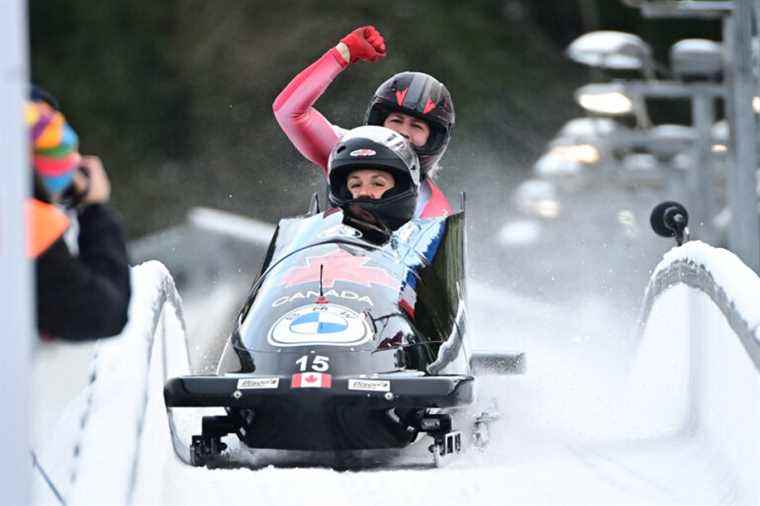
(293, 108)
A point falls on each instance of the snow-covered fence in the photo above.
(732, 286)
(95, 455)
(697, 374)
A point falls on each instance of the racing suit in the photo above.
(314, 136)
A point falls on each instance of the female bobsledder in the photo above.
(414, 104)
(375, 169)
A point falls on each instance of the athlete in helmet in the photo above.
(375, 169)
(414, 104)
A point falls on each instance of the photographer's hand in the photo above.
(98, 189)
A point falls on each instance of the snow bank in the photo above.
(110, 412)
(697, 372)
(733, 286)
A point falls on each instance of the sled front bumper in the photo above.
(378, 392)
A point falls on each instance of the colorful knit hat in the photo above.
(55, 146)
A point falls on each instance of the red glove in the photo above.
(365, 43)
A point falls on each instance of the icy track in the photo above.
(604, 415)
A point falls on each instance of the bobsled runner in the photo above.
(352, 338)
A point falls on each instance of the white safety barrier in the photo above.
(698, 366)
(16, 302)
(95, 458)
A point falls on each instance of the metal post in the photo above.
(15, 271)
(700, 9)
(701, 179)
(744, 231)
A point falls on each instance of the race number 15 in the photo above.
(317, 363)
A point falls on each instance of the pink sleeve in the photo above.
(294, 110)
(437, 204)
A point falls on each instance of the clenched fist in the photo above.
(364, 43)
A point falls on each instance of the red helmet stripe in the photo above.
(429, 106)
(400, 95)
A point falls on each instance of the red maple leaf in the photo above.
(309, 378)
(339, 265)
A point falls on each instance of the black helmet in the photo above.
(424, 97)
(373, 147)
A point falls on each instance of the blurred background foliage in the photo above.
(176, 96)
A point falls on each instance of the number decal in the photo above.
(319, 363)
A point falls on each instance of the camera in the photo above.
(72, 197)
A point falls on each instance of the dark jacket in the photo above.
(85, 297)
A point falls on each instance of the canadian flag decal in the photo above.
(339, 265)
(311, 380)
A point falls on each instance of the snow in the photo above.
(728, 271)
(662, 362)
(520, 232)
(577, 428)
(109, 412)
(231, 224)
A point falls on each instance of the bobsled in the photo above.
(353, 337)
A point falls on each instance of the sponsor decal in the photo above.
(312, 294)
(340, 230)
(406, 231)
(258, 383)
(359, 153)
(339, 265)
(368, 385)
(328, 324)
(311, 380)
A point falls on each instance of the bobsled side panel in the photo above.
(441, 296)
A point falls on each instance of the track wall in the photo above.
(701, 378)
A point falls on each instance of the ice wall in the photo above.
(94, 454)
(697, 372)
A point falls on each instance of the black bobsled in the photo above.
(352, 338)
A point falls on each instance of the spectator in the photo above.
(83, 289)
